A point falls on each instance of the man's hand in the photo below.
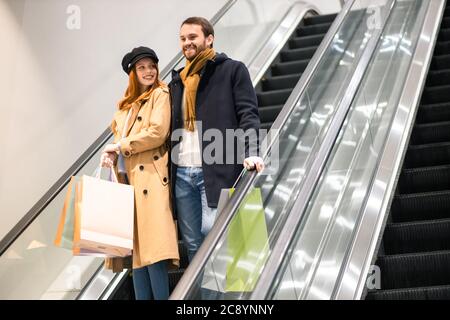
(252, 163)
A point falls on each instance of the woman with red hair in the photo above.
(140, 155)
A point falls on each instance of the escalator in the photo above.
(276, 86)
(414, 256)
(225, 268)
(322, 248)
(29, 256)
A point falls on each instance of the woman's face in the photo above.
(146, 73)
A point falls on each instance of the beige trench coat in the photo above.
(146, 161)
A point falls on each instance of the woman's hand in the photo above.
(113, 147)
(107, 159)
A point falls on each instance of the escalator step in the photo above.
(415, 270)
(440, 62)
(269, 113)
(320, 19)
(424, 179)
(442, 47)
(280, 82)
(308, 41)
(174, 277)
(426, 155)
(266, 125)
(422, 293)
(273, 97)
(421, 236)
(438, 77)
(313, 29)
(445, 23)
(291, 67)
(431, 133)
(433, 113)
(297, 54)
(444, 34)
(437, 94)
(421, 206)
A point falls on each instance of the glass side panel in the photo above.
(325, 234)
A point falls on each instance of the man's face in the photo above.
(193, 41)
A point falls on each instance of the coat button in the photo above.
(127, 153)
(145, 191)
(155, 158)
(141, 168)
(139, 118)
(165, 179)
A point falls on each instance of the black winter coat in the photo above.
(225, 100)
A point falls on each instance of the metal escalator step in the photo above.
(320, 19)
(266, 125)
(174, 277)
(421, 293)
(438, 78)
(297, 54)
(427, 155)
(280, 82)
(420, 236)
(274, 97)
(291, 67)
(431, 133)
(424, 179)
(415, 270)
(421, 206)
(433, 113)
(445, 22)
(447, 12)
(314, 29)
(436, 94)
(440, 62)
(442, 47)
(308, 41)
(269, 113)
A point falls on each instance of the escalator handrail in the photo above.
(280, 250)
(363, 247)
(61, 183)
(196, 266)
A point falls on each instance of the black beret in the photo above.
(135, 55)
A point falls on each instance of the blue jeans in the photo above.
(151, 282)
(195, 218)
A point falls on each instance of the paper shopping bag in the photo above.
(65, 231)
(247, 242)
(104, 217)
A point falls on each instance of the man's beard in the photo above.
(197, 49)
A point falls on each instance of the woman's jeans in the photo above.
(195, 218)
(151, 282)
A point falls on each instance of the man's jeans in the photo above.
(195, 218)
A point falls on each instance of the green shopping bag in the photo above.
(247, 244)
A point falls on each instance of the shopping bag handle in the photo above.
(112, 174)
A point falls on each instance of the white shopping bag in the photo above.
(104, 217)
